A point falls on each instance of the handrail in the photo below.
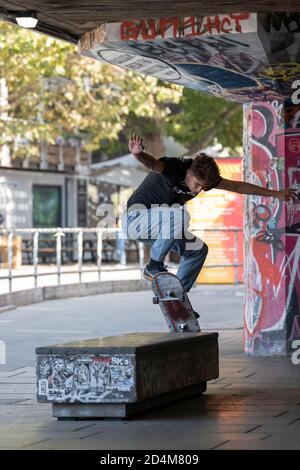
(80, 231)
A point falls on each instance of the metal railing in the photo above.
(79, 232)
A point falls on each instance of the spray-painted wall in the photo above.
(240, 57)
(272, 228)
(245, 57)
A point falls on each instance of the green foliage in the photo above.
(55, 92)
(142, 125)
(201, 117)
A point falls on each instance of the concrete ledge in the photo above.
(93, 288)
(125, 410)
(32, 296)
(22, 297)
(77, 290)
(130, 285)
(125, 374)
(6, 308)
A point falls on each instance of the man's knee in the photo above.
(202, 252)
(200, 249)
(205, 248)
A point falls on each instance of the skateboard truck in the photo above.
(174, 303)
(170, 297)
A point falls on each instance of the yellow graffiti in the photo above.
(285, 71)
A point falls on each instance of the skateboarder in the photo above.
(156, 214)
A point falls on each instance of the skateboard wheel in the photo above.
(155, 300)
(183, 327)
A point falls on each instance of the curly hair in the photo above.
(206, 169)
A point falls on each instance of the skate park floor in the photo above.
(254, 404)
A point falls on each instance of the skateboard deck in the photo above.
(174, 303)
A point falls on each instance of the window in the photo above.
(46, 211)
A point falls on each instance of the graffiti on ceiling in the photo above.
(240, 57)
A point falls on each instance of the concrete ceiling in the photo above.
(70, 19)
(239, 50)
(239, 56)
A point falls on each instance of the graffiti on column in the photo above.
(249, 57)
(272, 235)
(239, 56)
(85, 379)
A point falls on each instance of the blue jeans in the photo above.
(120, 245)
(165, 229)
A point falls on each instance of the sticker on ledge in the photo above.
(43, 387)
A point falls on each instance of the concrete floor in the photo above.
(65, 320)
(254, 404)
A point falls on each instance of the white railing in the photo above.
(59, 233)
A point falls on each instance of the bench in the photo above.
(120, 376)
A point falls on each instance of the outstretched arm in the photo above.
(248, 188)
(136, 147)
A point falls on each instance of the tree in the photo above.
(53, 92)
(199, 118)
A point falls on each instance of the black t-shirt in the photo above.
(166, 187)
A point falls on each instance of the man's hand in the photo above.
(242, 187)
(136, 147)
(287, 195)
(135, 144)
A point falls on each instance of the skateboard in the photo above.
(174, 303)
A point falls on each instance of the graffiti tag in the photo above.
(177, 27)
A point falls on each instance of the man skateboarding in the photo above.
(156, 214)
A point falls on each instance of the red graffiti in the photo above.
(181, 27)
(294, 145)
(273, 287)
(102, 359)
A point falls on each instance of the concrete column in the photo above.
(61, 162)
(272, 228)
(44, 156)
(77, 158)
(5, 157)
(26, 162)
